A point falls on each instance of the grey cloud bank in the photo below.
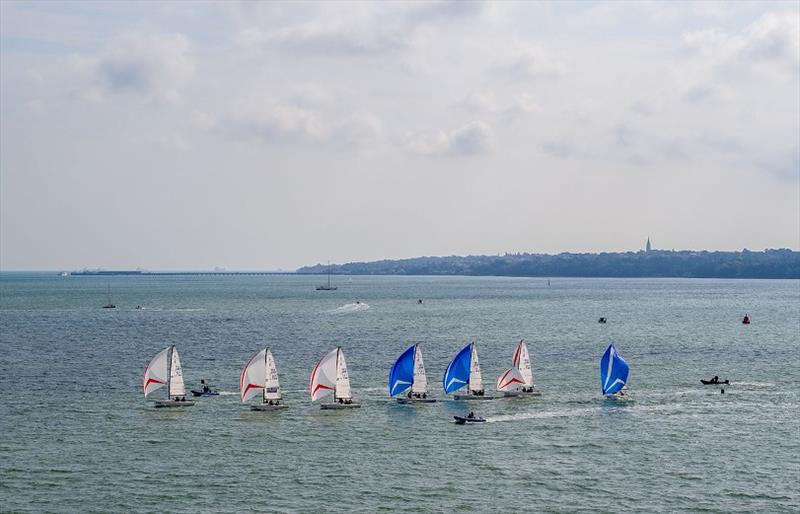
(269, 135)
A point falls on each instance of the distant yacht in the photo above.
(327, 287)
(109, 305)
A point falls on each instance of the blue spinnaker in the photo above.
(401, 375)
(613, 372)
(457, 374)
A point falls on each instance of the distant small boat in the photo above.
(260, 375)
(613, 372)
(330, 377)
(518, 380)
(63, 274)
(465, 370)
(165, 370)
(109, 305)
(327, 287)
(746, 320)
(408, 374)
(602, 320)
(468, 420)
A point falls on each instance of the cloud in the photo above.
(471, 139)
(562, 149)
(532, 63)
(486, 102)
(151, 65)
(326, 38)
(772, 40)
(275, 123)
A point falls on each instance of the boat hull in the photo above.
(268, 407)
(340, 406)
(463, 397)
(461, 420)
(162, 404)
(205, 393)
(416, 400)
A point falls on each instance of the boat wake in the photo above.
(349, 308)
(754, 384)
(543, 415)
(228, 393)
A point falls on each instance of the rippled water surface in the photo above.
(77, 435)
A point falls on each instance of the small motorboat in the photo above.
(746, 320)
(205, 393)
(602, 320)
(714, 382)
(468, 420)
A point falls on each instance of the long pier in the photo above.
(111, 273)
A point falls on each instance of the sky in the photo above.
(271, 135)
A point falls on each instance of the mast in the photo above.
(329, 285)
(169, 370)
(336, 378)
(264, 391)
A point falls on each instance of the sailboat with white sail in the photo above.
(165, 371)
(330, 377)
(260, 378)
(518, 379)
(465, 370)
(408, 374)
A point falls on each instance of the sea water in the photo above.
(77, 435)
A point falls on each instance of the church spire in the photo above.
(648, 246)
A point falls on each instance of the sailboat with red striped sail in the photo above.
(165, 371)
(260, 378)
(330, 377)
(518, 379)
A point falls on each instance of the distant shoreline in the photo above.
(768, 264)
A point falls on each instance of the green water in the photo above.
(76, 434)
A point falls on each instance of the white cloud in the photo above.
(533, 63)
(771, 40)
(151, 65)
(471, 139)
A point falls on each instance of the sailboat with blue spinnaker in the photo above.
(465, 370)
(613, 373)
(408, 374)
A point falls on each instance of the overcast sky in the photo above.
(253, 135)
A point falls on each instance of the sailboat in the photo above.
(165, 370)
(465, 370)
(327, 287)
(109, 305)
(518, 379)
(260, 376)
(408, 373)
(613, 373)
(330, 376)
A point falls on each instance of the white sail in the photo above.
(272, 388)
(475, 379)
(176, 387)
(522, 360)
(342, 379)
(323, 378)
(155, 374)
(251, 381)
(420, 384)
(510, 380)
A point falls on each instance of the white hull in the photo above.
(263, 407)
(471, 397)
(338, 406)
(535, 392)
(416, 400)
(172, 403)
